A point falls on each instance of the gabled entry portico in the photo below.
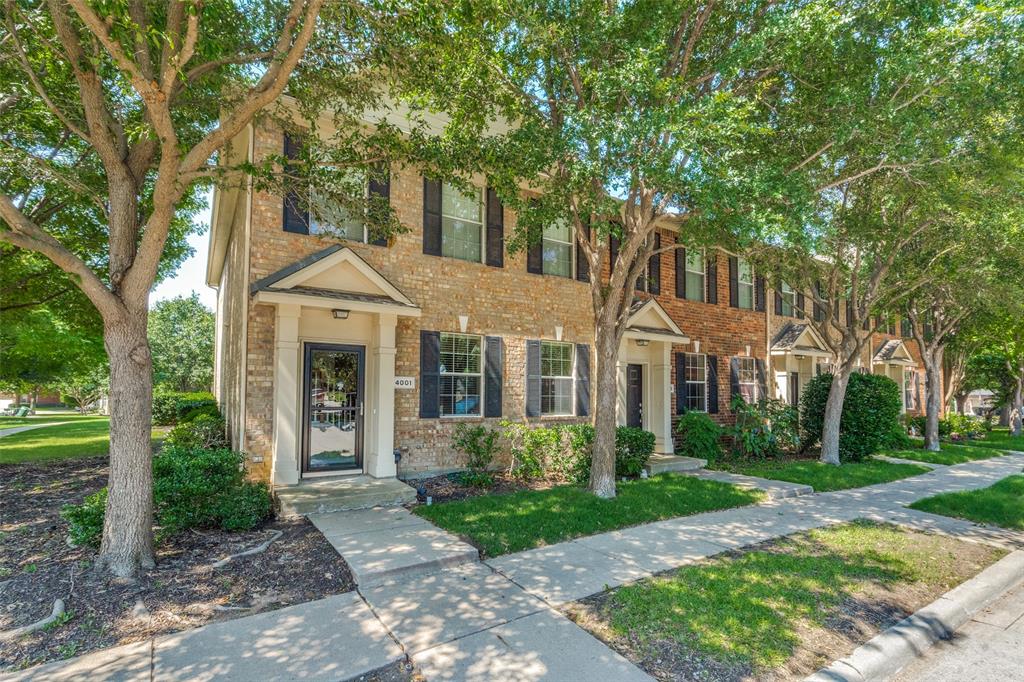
(645, 372)
(334, 366)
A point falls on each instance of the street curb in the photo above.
(889, 651)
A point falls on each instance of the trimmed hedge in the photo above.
(699, 436)
(170, 407)
(870, 420)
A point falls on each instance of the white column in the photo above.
(378, 458)
(621, 362)
(661, 395)
(287, 368)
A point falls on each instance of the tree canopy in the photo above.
(181, 335)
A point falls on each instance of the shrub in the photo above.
(699, 436)
(532, 449)
(206, 410)
(204, 431)
(751, 433)
(871, 413)
(192, 488)
(573, 462)
(963, 424)
(479, 443)
(85, 520)
(171, 407)
(633, 447)
(165, 408)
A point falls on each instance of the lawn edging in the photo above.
(890, 651)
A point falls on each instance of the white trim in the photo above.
(671, 327)
(311, 301)
(344, 255)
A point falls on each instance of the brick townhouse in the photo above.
(332, 355)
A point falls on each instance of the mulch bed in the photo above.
(450, 488)
(37, 566)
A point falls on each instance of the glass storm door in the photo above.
(333, 433)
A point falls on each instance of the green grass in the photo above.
(749, 609)
(84, 437)
(499, 524)
(1001, 504)
(41, 418)
(951, 453)
(825, 477)
(1001, 440)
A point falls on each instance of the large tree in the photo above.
(726, 121)
(181, 341)
(126, 108)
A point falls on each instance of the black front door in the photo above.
(794, 388)
(635, 396)
(333, 395)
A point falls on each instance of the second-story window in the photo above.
(557, 249)
(745, 283)
(461, 223)
(330, 217)
(556, 378)
(788, 300)
(695, 275)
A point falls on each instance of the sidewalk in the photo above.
(498, 619)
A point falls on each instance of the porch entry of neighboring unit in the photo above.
(333, 379)
(634, 395)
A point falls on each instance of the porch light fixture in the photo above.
(696, 346)
(748, 351)
(642, 342)
(340, 314)
(558, 333)
(463, 323)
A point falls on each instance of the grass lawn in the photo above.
(1001, 504)
(951, 453)
(792, 602)
(41, 418)
(1001, 440)
(500, 524)
(825, 477)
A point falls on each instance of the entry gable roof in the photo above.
(799, 338)
(337, 274)
(893, 352)
(649, 319)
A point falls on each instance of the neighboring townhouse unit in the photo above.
(347, 356)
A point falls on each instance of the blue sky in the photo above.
(191, 276)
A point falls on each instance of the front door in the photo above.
(794, 389)
(634, 395)
(333, 422)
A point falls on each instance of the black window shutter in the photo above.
(582, 380)
(613, 252)
(295, 217)
(533, 378)
(680, 383)
(380, 186)
(712, 277)
(712, 384)
(800, 303)
(818, 311)
(734, 285)
(430, 379)
(680, 273)
(431, 217)
(778, 298)
(535, 258)
(734, 377)
(654, 267)
(582, 264)
(495, 230)
(762, 380)
(493, 363)
(759, 288)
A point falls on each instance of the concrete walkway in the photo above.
(498, 619)
(989, 647)
(28, 427)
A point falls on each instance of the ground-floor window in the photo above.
(460, 380)
(556, 378)
(696, 382)
(747, 376)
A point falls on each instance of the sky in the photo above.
(191, 276)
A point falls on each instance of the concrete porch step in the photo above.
(661, 463)
(325, 495)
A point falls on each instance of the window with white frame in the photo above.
(788, 299)
(327, 216)
(695, 275)
(460, 382)
(745, 283)
(696, 382)
(557, 249)
(462, 223)
(747, 376)
(556, 378)
(908, 389)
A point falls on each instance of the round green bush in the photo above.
(698, 436)
(870, 419)
(633, 447)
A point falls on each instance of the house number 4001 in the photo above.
(405, 382)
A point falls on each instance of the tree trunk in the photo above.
(834, 414)
(1017, 411)
(128, 523)
(33, 398)
(933, 400)
(602, 467)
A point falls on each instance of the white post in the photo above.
(661, 395)
(379, 460)
(287, 368)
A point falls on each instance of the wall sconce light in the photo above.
(340, 314)
(696, 346)
(643, 342)
(558, 333)
(748, 351)
(463, 323)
